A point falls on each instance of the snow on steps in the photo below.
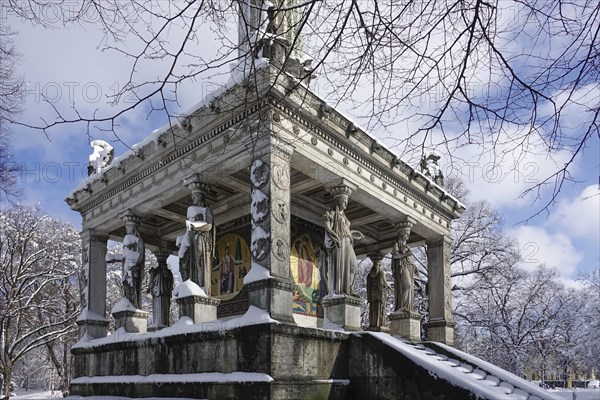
(506, 388)
(514, 386)
(463, 370)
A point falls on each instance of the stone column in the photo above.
(126, 315)
(92, 322)
(440, 327)
(268, 282)
(405, 321)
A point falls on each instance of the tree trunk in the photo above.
(7, 375)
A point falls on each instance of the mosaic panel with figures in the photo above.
(307, 267)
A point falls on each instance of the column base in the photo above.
(440, 331)
(200, 309)
(406, 324)
(273, 295)
(341, 311)
(93, 328)
(132, 321)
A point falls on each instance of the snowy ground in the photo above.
(37, 394)
(582, 394)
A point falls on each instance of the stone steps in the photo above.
(468, 368)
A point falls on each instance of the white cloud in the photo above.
(555, 250)
(579, 217)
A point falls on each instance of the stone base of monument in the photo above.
(281, 361)
(274, 294)
(93, 328)
(263, 361)
(132, 321)
(341, 311)
(440, 331)
(406, 324)
(199, 308)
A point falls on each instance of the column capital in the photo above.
(196, 184)
(161, 256)
(281, 148)
(94, 235)
(440, 241)
(341, 187)
(376, 257)
(130, 218)
(406, 224)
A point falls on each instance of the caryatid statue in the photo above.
(160, 286)
(403, 269)
(376, 292)
(339, 243)
(196, 247)
(133, 261)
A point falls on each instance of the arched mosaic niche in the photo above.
(231, 263)
(307, 267)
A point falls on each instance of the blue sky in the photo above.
(68, 66)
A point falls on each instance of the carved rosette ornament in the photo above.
(259, 210)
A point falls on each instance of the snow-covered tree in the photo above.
(588, 344)
(39, 265)
(497, 77)
(11, 90)
(520, 319)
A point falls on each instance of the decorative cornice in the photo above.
(386, 177)
(338, 300)
(173, 156)
(271, 283)
(193, 299)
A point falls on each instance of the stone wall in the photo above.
(303, 362)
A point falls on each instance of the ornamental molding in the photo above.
(388, 179)
(173, 158)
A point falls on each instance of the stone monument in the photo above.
(271, 188)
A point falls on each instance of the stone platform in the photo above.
(266, 361)
(281, 361)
